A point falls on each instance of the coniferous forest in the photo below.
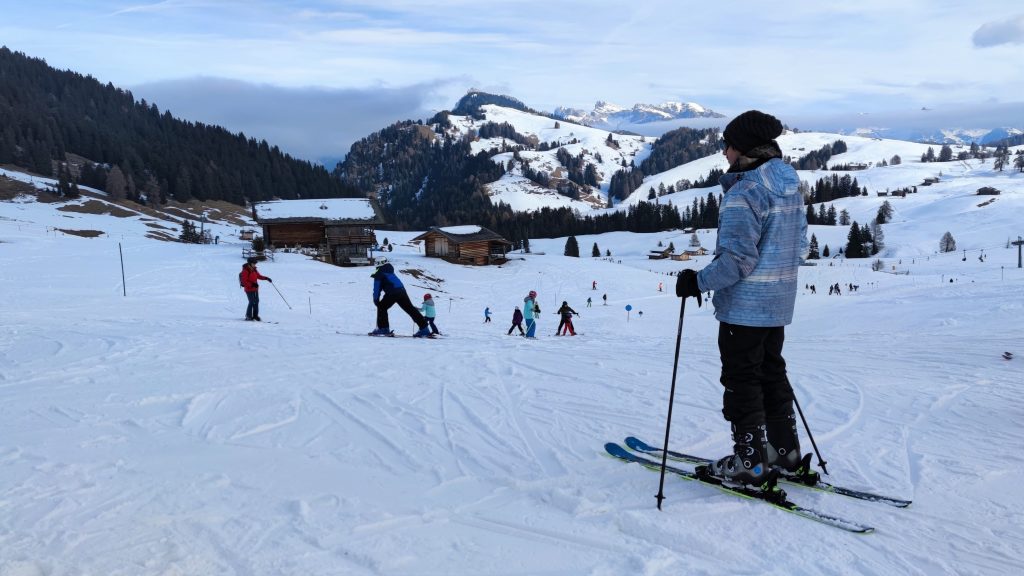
(50, 117)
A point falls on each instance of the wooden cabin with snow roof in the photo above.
(465, 245)
(340, 229)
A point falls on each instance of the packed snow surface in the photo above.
(146, 429)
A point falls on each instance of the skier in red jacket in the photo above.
(248, 278)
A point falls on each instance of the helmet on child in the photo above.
(532, 293)
(252, 260)
(426, 296)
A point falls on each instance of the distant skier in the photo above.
(487, 314)
(593, 285)
(531, 310)
(605, 298)
(565, 325)
(429, 313)
(660, 286)
(588, 302)
(388, 290)
(517, 322)
(249, 279)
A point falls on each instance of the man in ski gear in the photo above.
(531, 311)
(249, 278)
(517, 322)
(427, 309)
(565, 324)
(762, 239)
(487, 314)
(388, 290)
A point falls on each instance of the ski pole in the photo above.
(281, 295)
(821, 461)
(671, 398)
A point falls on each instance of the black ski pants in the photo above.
(757, 389)
(402, 299)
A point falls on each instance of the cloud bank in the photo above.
(1009, 31)
(316, 124)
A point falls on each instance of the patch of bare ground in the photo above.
(98, 207)
(162, 236)
(11, 188)
(421, 275)
(82, 233)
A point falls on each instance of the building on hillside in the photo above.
(340, 229)
(699, 251)
(465, 245)
(660, 254)
(682, 256)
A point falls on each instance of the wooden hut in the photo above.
(465, 245)
(341, 229)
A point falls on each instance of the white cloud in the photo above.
(1010, 31)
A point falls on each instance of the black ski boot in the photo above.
(748, 462)
(784, 445)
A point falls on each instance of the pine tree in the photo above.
(595, 252)
(694, 241)
(945, 153)
(854, 242)
(884, 213)
(812, 253)
(1018, 161)
(572, 248)
(947, 243)
(824, 252)
(116, 186)
(844, 217)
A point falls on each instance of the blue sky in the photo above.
(312, 76)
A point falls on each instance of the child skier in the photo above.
(427, 309)
(517, 322)
(565, 325)
(385, 281)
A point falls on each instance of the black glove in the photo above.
(269, 280)
(686, 285)
(376, 302)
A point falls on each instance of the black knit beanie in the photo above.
(751, 129)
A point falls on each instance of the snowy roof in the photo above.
(468, 229)
(462, 234)
(331, 209)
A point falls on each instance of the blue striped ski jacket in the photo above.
(762, 239)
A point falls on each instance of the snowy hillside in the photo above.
(524, 195)
(157, 433)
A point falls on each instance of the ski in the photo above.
(810, 479)
(1008, 355)
(776, 496)
(393, 335)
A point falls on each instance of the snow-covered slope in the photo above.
(158, 433)
(524, 195)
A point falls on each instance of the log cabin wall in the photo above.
(293, 233)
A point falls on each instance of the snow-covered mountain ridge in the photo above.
(592, 143)
(609, 116)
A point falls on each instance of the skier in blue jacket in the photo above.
(388, 290)
(762, 239)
